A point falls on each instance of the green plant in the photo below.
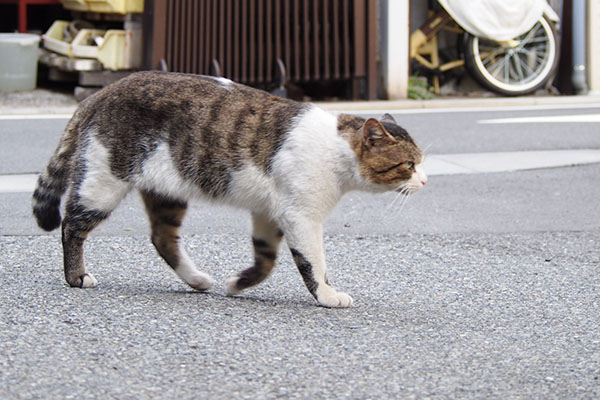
(419, 88)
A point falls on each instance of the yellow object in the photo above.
(417, 39)
(111, 51)
(53, 39)
(81, 44)
(116, 6)
(77, 5)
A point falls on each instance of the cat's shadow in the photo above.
(214, 297)
(247, 298)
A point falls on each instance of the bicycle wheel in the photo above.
(515, 67)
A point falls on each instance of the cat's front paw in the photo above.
(200, 281)
(332, 298)
(231, 287)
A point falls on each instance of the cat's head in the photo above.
(388, 156)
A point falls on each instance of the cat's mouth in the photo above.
(410, 187)
(414, 184)
(407, 191)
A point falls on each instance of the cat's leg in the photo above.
(76, 225)
(89, 203)
(266, 238)
(305, 239)
(166, 216)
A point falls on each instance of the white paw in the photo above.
(331, 298)
(230, 286)
(88, 281)
(200, 281)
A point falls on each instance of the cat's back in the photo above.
(171, 103)
(182, 107)
(163, 96)
(207, 128)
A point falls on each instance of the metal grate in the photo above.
(249, 41)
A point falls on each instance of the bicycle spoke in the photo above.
(529, 36)
(494, 69)
(537, 40)
(530, 71)
(517, 62)
(535, 55)
(488, 57)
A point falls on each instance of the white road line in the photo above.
(441, 110)
(18, 183)
(20, 117)
(548, 119)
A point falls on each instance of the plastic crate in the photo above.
(53, 39)
(81, 46)
(116, 6)
(111, 53)
(77, 5)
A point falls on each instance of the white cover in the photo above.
(495, 19)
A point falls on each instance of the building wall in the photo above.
(394, 28)
(593, 44)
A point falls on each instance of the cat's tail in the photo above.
(54, 181)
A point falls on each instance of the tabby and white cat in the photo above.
(176, 137)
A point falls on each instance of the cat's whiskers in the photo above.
(427, 148)
(403, 190)
(403, 204)
(391, 205)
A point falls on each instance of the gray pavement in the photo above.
(437, 316)
(484, 285)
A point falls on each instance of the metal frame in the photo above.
(248, 40)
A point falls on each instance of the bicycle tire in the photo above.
(514, 71)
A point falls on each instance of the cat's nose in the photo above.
(421, 175)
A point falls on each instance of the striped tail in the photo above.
(53, 183)
(46, 202)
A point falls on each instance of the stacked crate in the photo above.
(92, 49)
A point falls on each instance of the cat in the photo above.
(176, 137)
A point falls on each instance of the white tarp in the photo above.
(495, 19)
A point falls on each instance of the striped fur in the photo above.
(53, 183)
(177, 137)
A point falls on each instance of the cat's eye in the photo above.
(409, 164)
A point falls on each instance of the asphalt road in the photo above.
(482, 286)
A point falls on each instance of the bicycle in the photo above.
(513, 67)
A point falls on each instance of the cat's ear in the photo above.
(388, 118)
(374, 134)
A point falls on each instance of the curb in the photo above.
(30, 110)
(378, 105)
(460, 102)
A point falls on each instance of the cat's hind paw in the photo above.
(334, 299)
(88, 281)
(84, 281)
